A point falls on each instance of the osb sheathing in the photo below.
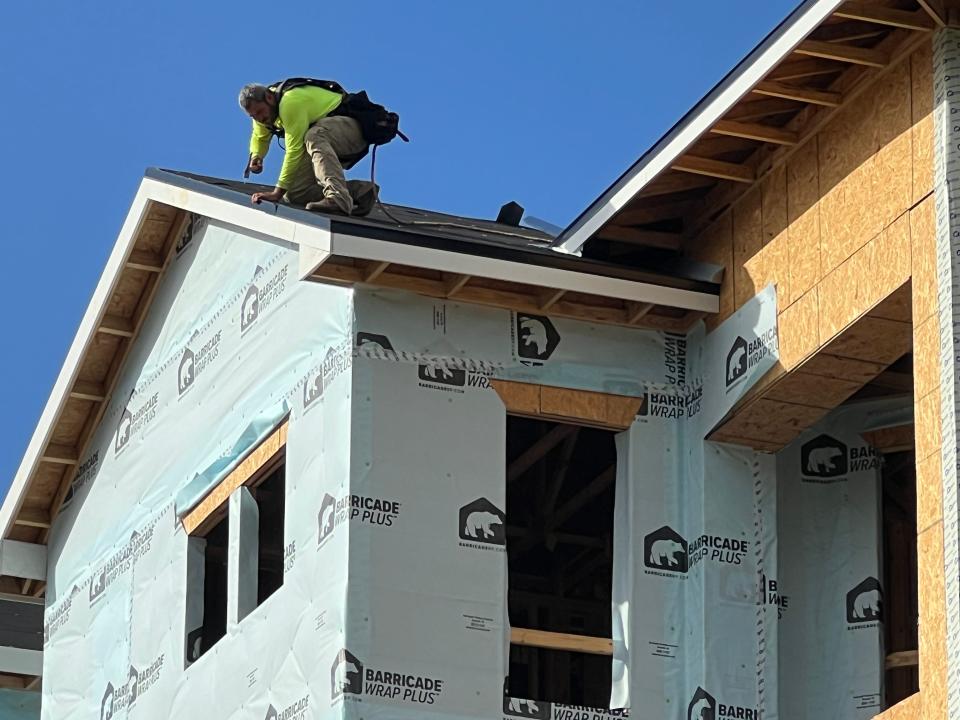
(845, 230)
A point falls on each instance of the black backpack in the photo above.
(378, 125)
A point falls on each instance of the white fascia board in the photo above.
(775, 48)
(23, 560)
(369, 249)
(23, 662)
(68, 372)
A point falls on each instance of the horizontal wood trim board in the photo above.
(561, 641)
(904, 658)
(262, 456)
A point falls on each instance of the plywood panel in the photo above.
(44, 485)
(873, 339)
(747, 243)
(921, 95)
(803, 214)
(154, 232)
(520, 398)
(926, 413)
(890, 261)
(127, 294)
(932, 604)
(908, 709)
(924, 260)
(799, 330)
(754, 421)
(896, 306)
(929, 492)
(72, 421)
(852, 369)
(891, 170)
(772, 264)
(99, 358)
(926, 357)
(807, 389)
(588, 407)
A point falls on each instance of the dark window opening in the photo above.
(209, 590)
(900, 574)
(560, 505)
(269, 495)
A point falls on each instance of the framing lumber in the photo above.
(800, 69)
(844, 53)
(535, 452)
(84, 390)
(714, 168)
(455, 283)
(375, 271)
(643, 215)
(561, 641)
(261, 459)
(550, 298)
(917, 20)
(904, 658)
(636, 311)
(556, 485)
(936, 11)
(827, 98)
(33, 517)
(60, 454)
(590, 491)
(755, 131)
(144, 260)
(115, 325)
(581, 407)
(636, 236)
(764, 109)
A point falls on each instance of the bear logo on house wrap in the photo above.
(736, 361)
(346, 675)
(436, 373)
(106, 705)
(312, 387)
(374, 341)
(823, 457)
(123, 430)
(326, 518)
(703, 706)
(186, 373)
(250, 309)
(537, 338)
(519, 707)
(133, 688)
(865, 602)
(271, 713)
(666, 549)
(483, 522)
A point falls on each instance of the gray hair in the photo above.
(251, 93)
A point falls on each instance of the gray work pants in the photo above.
(320, 174)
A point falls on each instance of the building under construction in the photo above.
(683, 461)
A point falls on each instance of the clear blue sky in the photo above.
(541, 101)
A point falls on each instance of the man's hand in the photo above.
(274, 196)
(256, 165)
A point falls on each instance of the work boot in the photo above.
(365, 198)
(327, 205)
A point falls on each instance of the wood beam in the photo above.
(804, 68)
(669, 183)
(85, 390)
(60, 454)
(714, 168)
(636, 236)
(33, 517)
(843, 53)
(116, 325)
(556, 485)
(636, 311)
(590, 491)
(655, 213)
(550, 297)
(535, 452)
(561, 641)
(847, 32)
(904, 658)
(764, 108)
(455, 283)
(144, 260)
(376, 270)
(827, 98)
(755, 131)
(936, 11)
(917, 20)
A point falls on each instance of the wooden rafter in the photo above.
(827, 98)
(454, 284)
(844, 53)
(143, 260)
(586, 494)
(917, 20)
(643, 215)
(550, 297)
(84, 390)
(33, 517)
(636, 236)
(936, 11)
(375, 270)
(714, 168)
(755, 131)
(116, 325)
(803, 68)
(60, 454)
(535, 452)
(636, 312)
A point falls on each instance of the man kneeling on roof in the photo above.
(319, 144)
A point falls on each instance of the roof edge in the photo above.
(779, 43)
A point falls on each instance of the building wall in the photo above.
(848, 220)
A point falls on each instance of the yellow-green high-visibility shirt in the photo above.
(299, 109)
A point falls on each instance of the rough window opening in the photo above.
(270, 494)
(560, 503)
(207, 589)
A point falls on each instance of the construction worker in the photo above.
(318, 147)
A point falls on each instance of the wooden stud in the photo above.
(115, 325)
(60, 454)
(376, 270)
(917, 20)
(144, 260)
(714, 168)
(33, 517)
(84, 390)
(844, 53)
(827, 98)
(455, 283)
(261, 457)
(549, 298)
(755, 131)
(561, 641)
